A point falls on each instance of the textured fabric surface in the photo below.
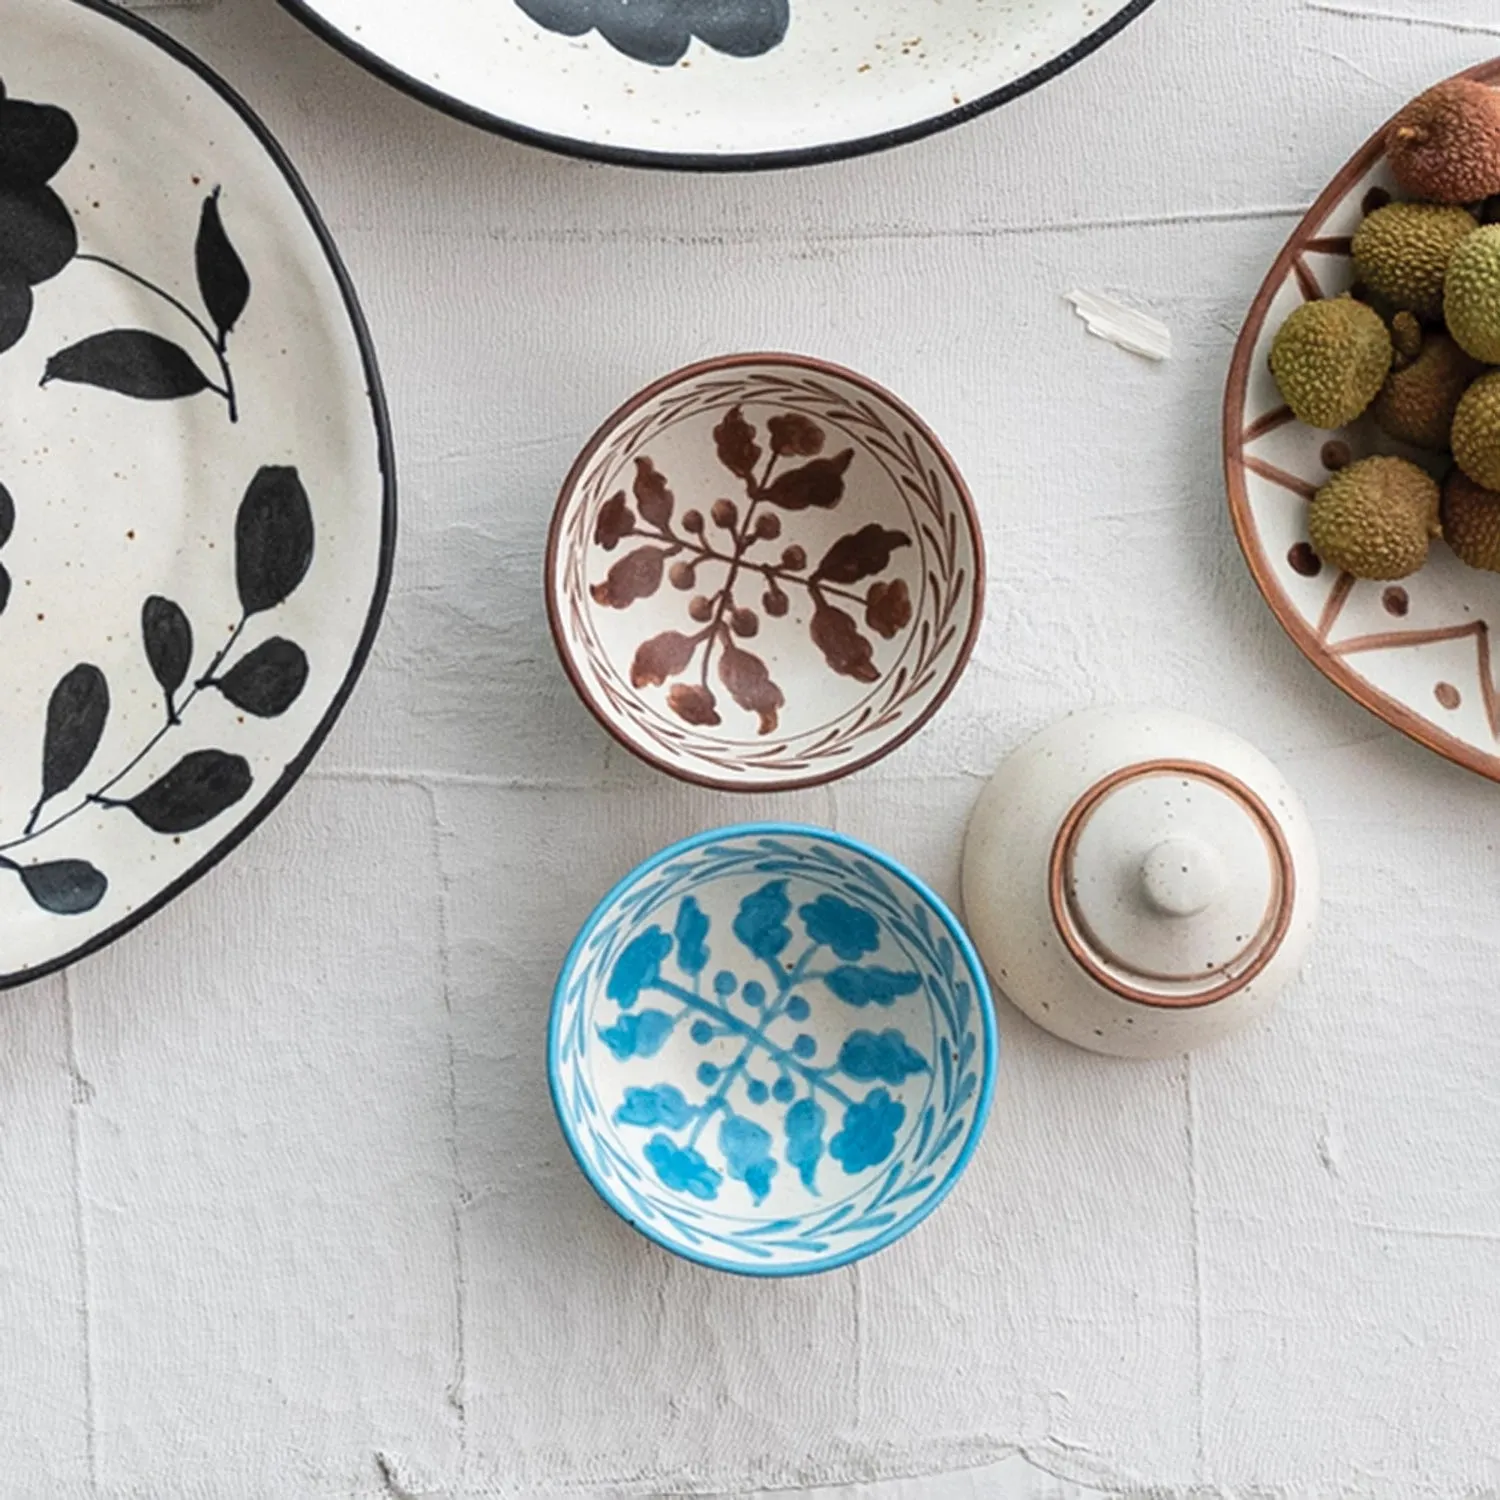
(286, 1212)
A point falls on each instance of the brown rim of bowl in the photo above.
(732, 362)
(1317, 651)
(1285, 900)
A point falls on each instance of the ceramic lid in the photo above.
(1140, 881)
(1170, 881)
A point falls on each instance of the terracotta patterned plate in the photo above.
(1420, 653)
(716, 83)
(196, 503)
(764, 572)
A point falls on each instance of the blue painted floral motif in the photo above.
(638, 966)
(804, 1140)
(691, 930)
(747, 1152)
(887, 1057)
(660, 31)
(640, 1035)
(682, 1169)
(762, 925)
(848, 930)
(663, 1105)
(869, 1133)
(871, 986)
(719, 1070)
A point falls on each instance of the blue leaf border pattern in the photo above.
(934, 1150)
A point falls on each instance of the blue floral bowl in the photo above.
(772, 1050)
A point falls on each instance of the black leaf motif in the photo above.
(35, 140)
(4, 588)
(659, 32)
(130, 362)
(65, 887)
(273, 539)
(169, 644)
(75, 723)
(267, 681)
(37, 234)
(7, 515)
(194, 792)
(16, 303)
(222, 278)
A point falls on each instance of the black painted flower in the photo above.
(660, 31)
(37, 235)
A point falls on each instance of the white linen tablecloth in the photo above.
(285, 1209)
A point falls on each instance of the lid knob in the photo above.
(1139, 881)
(1169, 880)
(1183, 876)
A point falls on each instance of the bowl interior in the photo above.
(772, 1051)
(764, 573)
(1417, 653)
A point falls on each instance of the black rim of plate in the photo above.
(805, 156)
(385, 459)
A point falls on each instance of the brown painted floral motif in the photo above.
(731, 535)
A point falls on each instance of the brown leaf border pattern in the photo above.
(782, 467)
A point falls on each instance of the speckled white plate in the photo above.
(196, 506)
(717, 83)
(1419, 653)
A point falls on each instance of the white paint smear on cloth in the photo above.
(1115, 323)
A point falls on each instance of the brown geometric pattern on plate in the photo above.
(1314, 627)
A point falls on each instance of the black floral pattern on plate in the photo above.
(660, 31)
(274, 541)
(37, 236)
(38, 240)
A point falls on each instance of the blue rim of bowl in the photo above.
(385, 458)
(984, 1003)
(689, 161)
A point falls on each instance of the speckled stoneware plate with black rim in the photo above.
(704, 84)
(197, 511)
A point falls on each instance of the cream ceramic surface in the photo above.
(196, 526)
(1418, 653)
(764, 572)
(240, 1159)
(1140, 883)
(707, 82)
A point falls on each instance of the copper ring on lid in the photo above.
(1140, 882)
(1192, 906)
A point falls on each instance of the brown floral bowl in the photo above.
(764, 572)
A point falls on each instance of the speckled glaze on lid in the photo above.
(1140, 883)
